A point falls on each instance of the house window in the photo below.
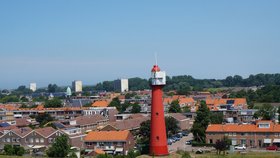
(4, 140)
(30, 140)
(264, 125)
(8, 140)
(210, 141)
(17, 140)
(119, 143)
(234, 134)
(50, 140)
(14, 139)
(41, 140)
(37, 140)
(243, 141)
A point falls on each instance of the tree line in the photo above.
(182, 84)
(266, 94)
(186, 83)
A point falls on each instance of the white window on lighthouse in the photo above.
(158, 78)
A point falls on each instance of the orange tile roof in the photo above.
(186, 100)
(242, 128)
(9, 107)
(182, 99)
(40, 107)
(175, 97)
(238, 101)
(167, 100)
(100, 103)
(107, 136)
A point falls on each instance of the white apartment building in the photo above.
(121, 85)
(77, 86)
(33, 87)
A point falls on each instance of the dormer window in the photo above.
(264, 125)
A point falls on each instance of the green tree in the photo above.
(8, 149)
(132, 154)
(104, 156)
(115, 103)
(171, 126)
(124, 106)
(222, 145)
(43, 118)
(19, 150)
(130, 95)
(52, 88)
(136, 108)
(201, 122)
(186, 109)
(144, 132)
(216, 117)
(60, 148)
(53, 103)
(138, 84)
(9, 98)
(39, 99)
(24, 99)
(266, 112)
(175, 107)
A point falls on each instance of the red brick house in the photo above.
(261, 134)
(111, 142)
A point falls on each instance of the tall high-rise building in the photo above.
(33, 87)
(121, 85)
(77, 86)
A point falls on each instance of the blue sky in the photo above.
(60, 41)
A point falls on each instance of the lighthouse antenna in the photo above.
(156, 58)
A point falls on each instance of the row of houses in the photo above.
(93, 132)
(258, 135)
(111, 142)
(10, 112)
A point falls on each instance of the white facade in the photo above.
(77, 86)
(33, 87)
(121, 85)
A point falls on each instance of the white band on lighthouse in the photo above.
(158, 78)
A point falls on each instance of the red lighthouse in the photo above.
(158, 141)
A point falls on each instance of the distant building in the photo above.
(33, 87)
(77, 86)
(121, 85)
